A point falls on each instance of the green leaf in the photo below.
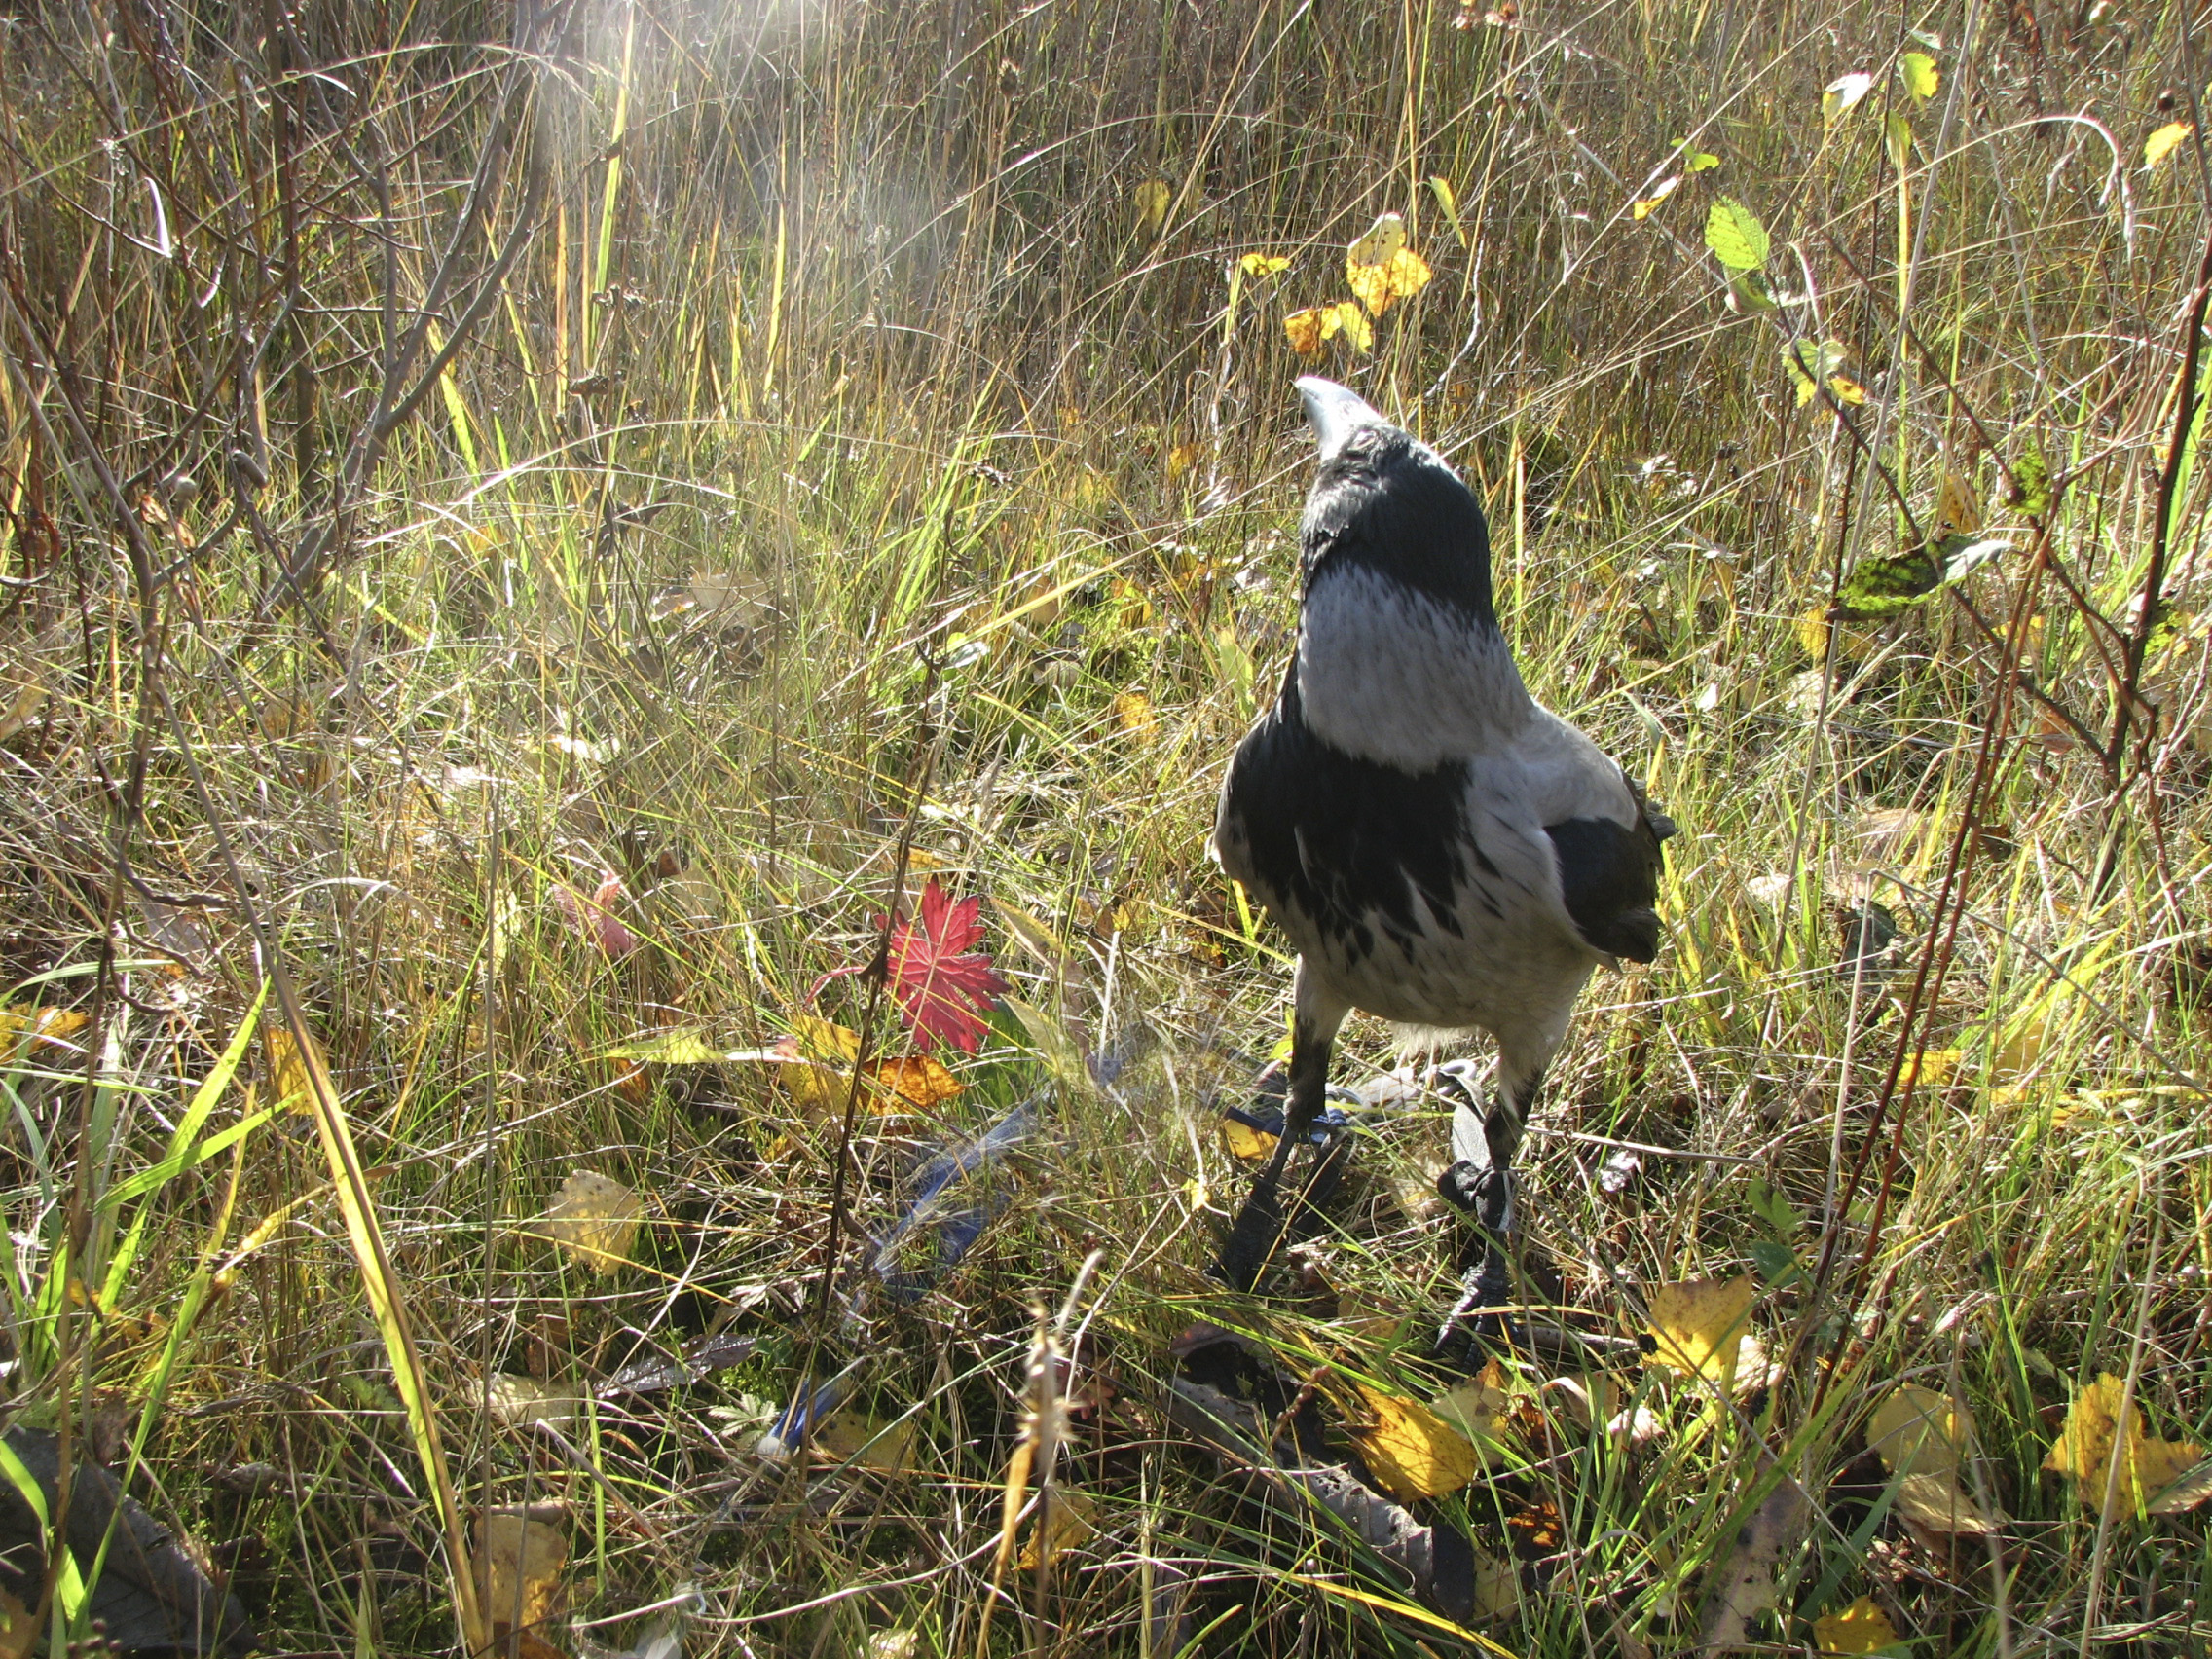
(1734, 233)
(2031, 483)
(1777, 1263)
(1884, 586)
(1917, 70)
(682, 1045)
(1748, 292)
(1808, 364)
(1899, 132)
(1773, 1206)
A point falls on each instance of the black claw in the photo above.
(1252, 1240)
(1475, 1327)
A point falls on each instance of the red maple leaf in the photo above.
(944, 988)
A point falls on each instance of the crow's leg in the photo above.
(1485, 1137)
(1317, 1016)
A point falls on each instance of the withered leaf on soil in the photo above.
(1861, 1627)
(1923, 1439)
(520, 1555)
(1411, 1452)
(1072, 1523)
(2119, 1469)
(1700, 1324)
(594, 1218)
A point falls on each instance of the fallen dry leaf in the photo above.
(1411, 1452)
(1923, 1439)
(594, 1218)
(1700, 1325)
(1072, 1522)
(1861, 1627)
(854, 1436)
(1135, 716)
(520, 1554)
(1478, 1409)
(43, 1025)
(2117, 1468)
(520, 1401)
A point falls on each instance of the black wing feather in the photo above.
(1609, 875)
(1344, 842)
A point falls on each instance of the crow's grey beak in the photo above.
(1336, 411)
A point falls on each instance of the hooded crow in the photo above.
(1444, 852)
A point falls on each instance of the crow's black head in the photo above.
(1386, 499)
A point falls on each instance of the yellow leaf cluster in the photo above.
(2116, 1467)
(1309, 329)
(1380, 268)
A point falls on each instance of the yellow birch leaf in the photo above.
(1666, 187)
(1304, 329)
(2117, 1467)
(1700, 1324)
(1353, 323)
(1153, 197)
(1264, 264)
(1411, 1452)
(1072, 1522)
(594, 1218)
(1861, 1627)
(1134, 715)
(520, 1554)
(2161, 143)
